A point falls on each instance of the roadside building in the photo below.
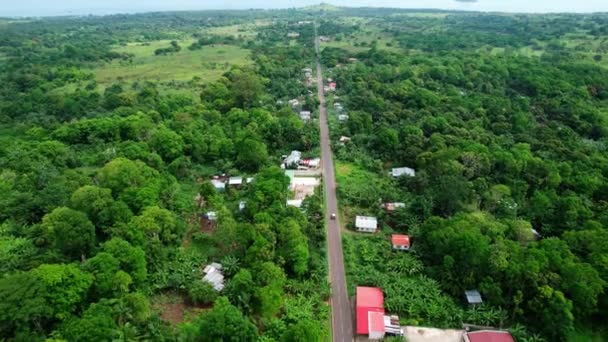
(293, 35)
(473, 297)
(371, 320)
(366, 224)
(400, 242)
(214, 276)
(370, 311)
(292, 160)
(403, 171)
(487, 336)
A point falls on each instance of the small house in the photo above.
(242, 205)
(352, 60)
(332, 86)
(235, 181)
(324, 39)
(219, 185)
(305, 115)
(294, 203)
(344, 139)
(400, 242)
(342, 117)
(307, 70)
(366, 224)
(403, 171)
(487, 335)
(293, 35)
(249, 180)
(393, 206)
(473, 297)
(214, 276)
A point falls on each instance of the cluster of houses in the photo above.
(308, 76)
(373, 322)
(368, 224)
(303, 176)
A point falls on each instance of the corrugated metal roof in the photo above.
(366, 222)
(473, 296)
(403, 171)
(490, 336)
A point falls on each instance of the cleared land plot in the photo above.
(208, 63)
(240, 30)
(366, 36)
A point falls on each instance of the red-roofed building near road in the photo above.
(400, 242)
(369, 300)
(487, 336)
(375, 323)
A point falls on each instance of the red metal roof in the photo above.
(369, 299)
(400, 240)
(376, 321)
(490, 336)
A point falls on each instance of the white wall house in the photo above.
(366, 224)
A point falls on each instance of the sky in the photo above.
(81, 7)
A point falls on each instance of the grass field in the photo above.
(368, 34)
(241, 30)
(208, 63)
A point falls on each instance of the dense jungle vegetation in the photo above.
(504, 118)
(104, 182)
(112, 127)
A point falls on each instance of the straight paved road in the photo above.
(341, 316)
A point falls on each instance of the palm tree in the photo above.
(230, 265)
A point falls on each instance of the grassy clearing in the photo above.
(208, 63)
(367, 35)
(241, 30)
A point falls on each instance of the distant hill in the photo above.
(322, 7)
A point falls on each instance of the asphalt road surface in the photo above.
(341, 315)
